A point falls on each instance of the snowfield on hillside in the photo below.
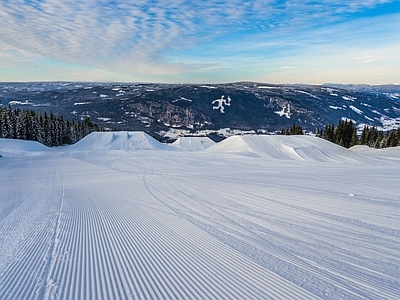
(122, 216)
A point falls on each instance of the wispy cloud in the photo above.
(146, 38)
(368, 58)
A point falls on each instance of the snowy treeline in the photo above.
(294, 130)
(50, 130)
(378, 139)
(345, 134)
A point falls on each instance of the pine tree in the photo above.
(329, 133)
(3, 125)
(21, 126)
(319, 133)
(372, 137)
(354, 138)
(294, 130)
(12, 123)
(363, 137)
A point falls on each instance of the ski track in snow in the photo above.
(152, 224)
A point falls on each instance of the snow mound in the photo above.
(121, 140)
(302, 148)
(10, 148)
(392, 153)
(193, 143)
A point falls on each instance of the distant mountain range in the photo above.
(172, 109)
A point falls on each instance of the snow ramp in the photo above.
(391, 154)
(193, 143)
(121, 140)
(279, 147)
(12, 148)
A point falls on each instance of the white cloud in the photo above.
(142, 37)
(367, 58)
(287, 68)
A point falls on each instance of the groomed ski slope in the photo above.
(120, 216)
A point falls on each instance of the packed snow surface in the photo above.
(121, 140)
(193, 143)
(299, 147)
(121, 216)
(392, 153)
(21, 148)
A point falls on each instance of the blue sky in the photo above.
(294, 41)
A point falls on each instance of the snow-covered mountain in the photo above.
(247, 106)
(120, 215)
(391, 91)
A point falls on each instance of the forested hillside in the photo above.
(48, 129)
(345, 134)
(159, 109)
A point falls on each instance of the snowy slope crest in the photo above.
(11, 148)
(273, 147)
(121, 140)
(392, 153)
(193, 143)
(300, 148)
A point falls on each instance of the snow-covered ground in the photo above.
(120, 216)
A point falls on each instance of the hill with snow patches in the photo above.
(120, 215)
(160, 109)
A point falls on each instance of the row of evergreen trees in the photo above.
(294, 130)
(371, 137)
(345, 134)
(50, 130)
